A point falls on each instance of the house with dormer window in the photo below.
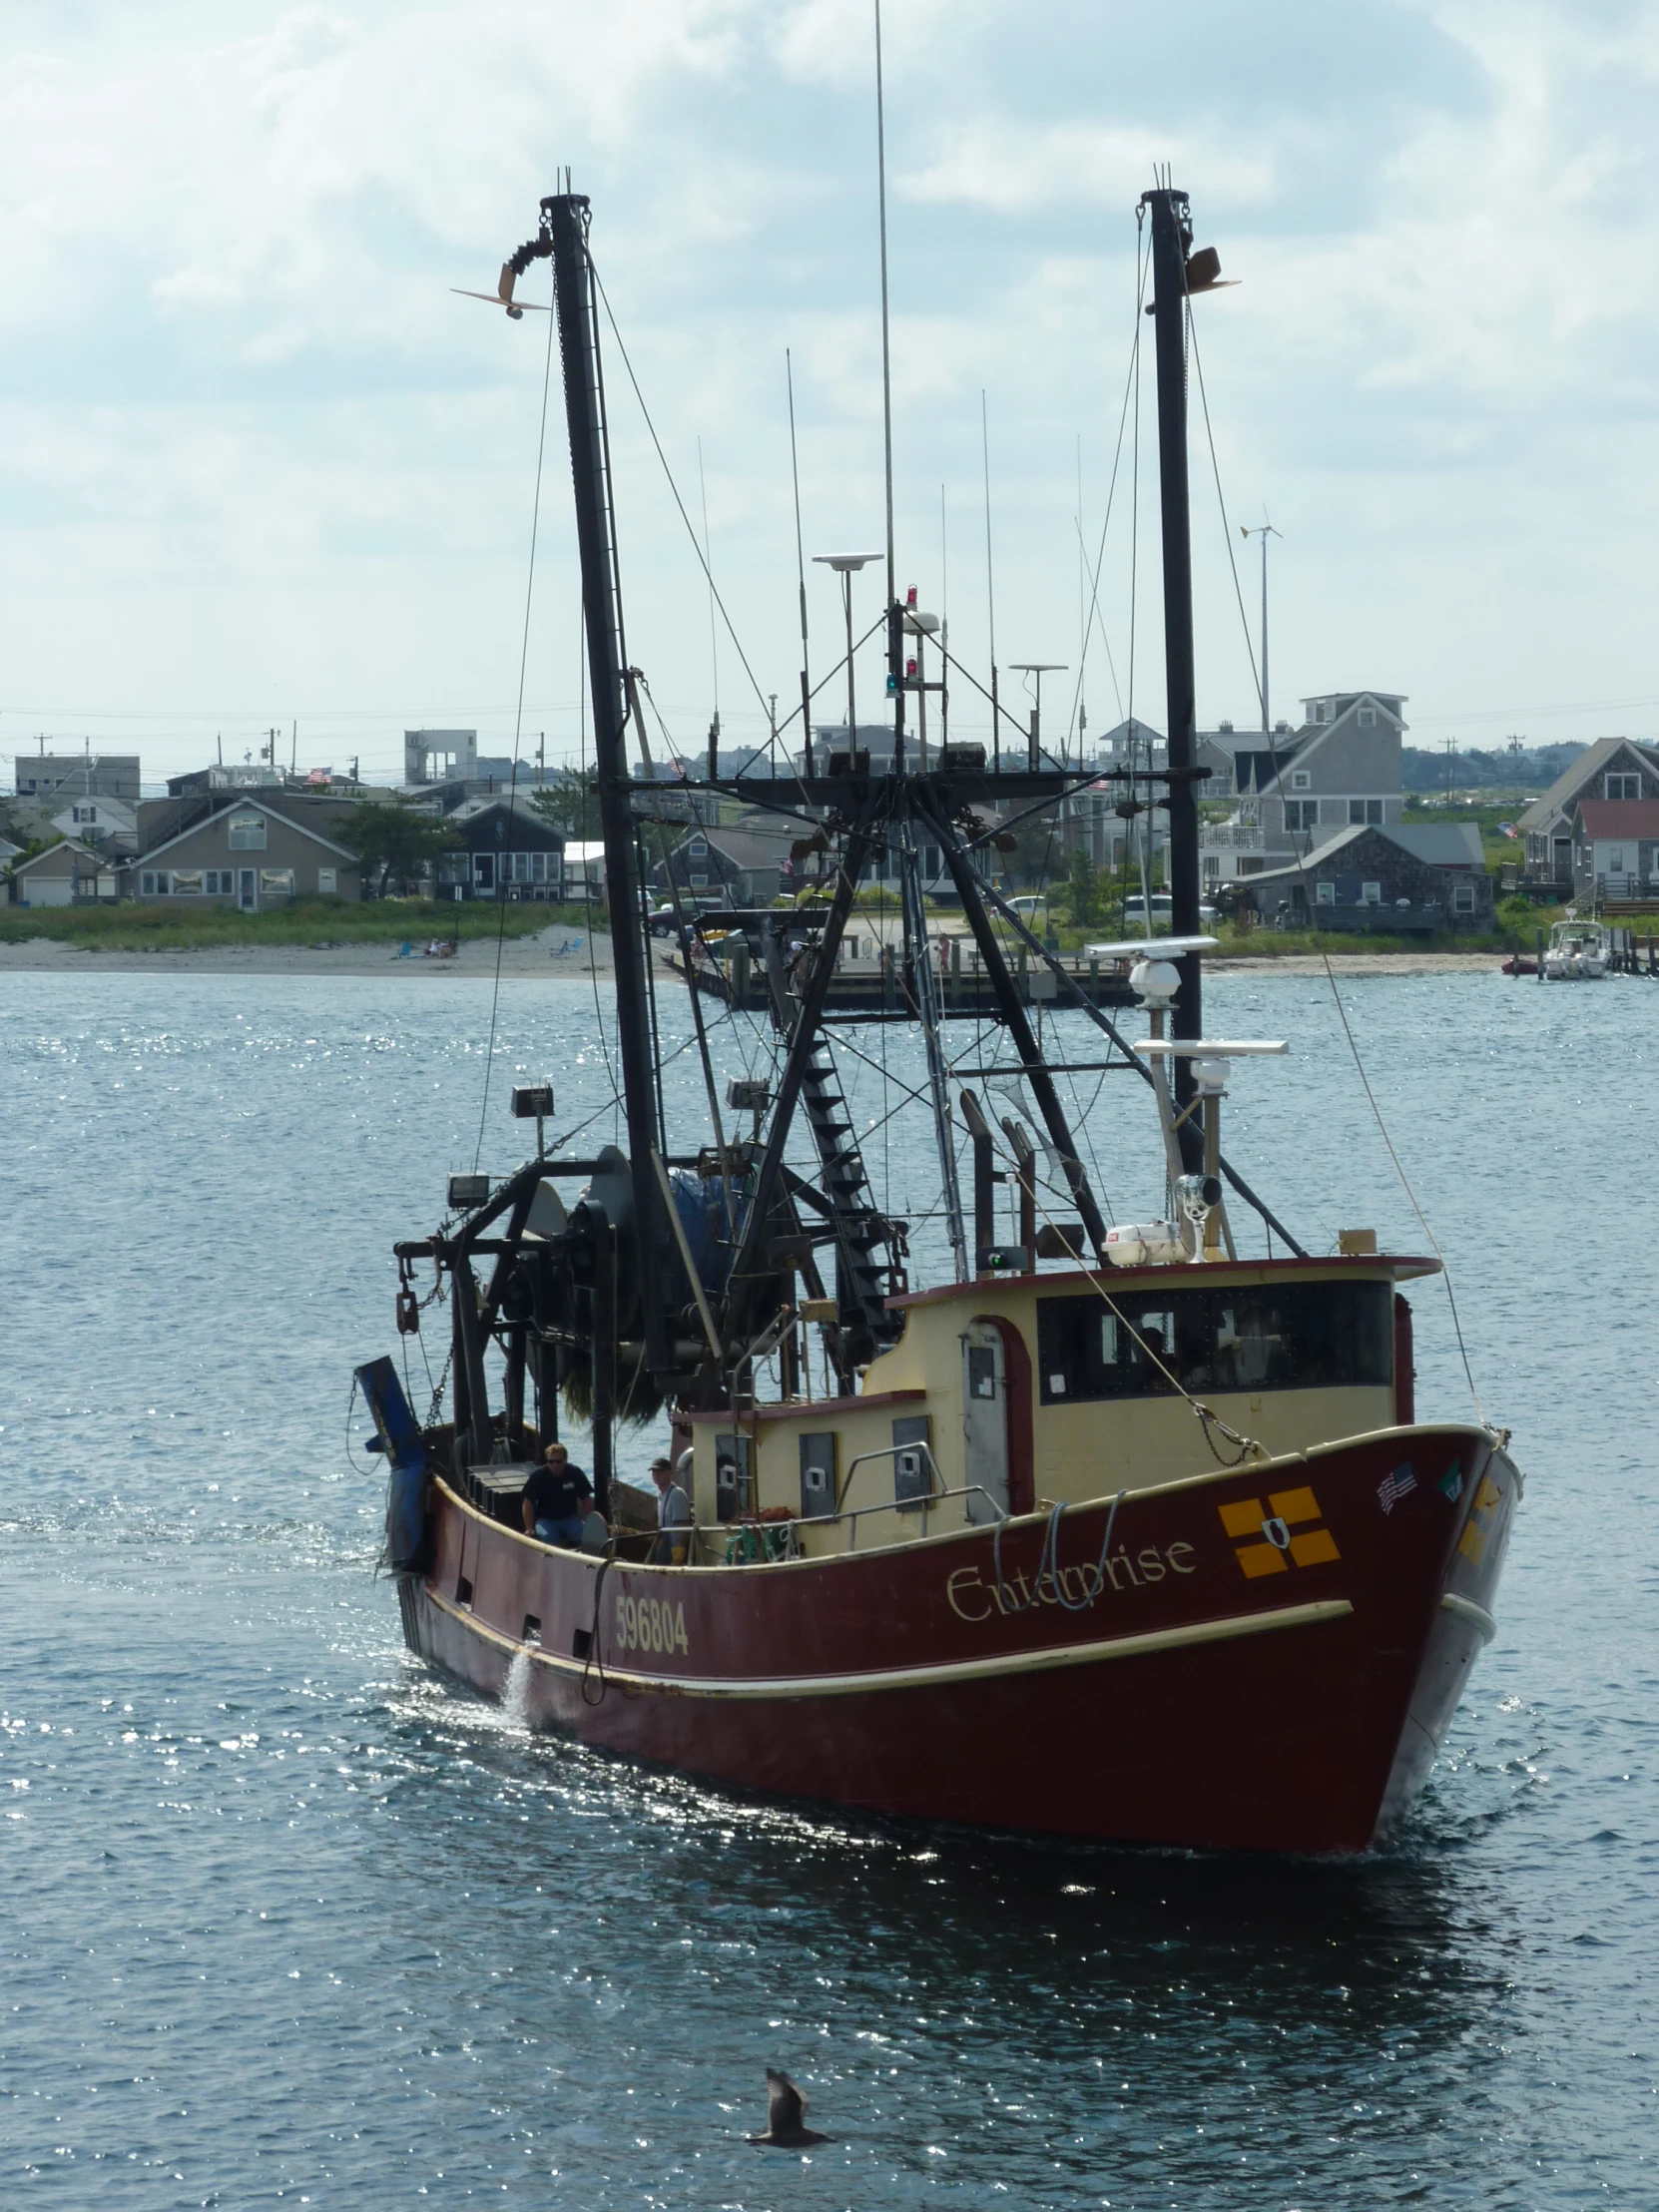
(109, 823)
(1294, 792)
(1613, 770)
(246, 854)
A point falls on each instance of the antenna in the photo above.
(894, 643)
(1082, 608)
(801, 575)
(1264, 531)
(944, 628)
(714, 636)
(990, 586)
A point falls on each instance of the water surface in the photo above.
(292, 1920)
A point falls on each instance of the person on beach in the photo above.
(674, 1517)
(556, 1500)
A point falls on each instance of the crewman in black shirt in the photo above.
(556, 1500)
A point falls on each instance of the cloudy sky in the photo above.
(259, 466)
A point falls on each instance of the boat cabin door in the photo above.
(985, 1420)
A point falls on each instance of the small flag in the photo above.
(1394, 1486)
(1451, 1484)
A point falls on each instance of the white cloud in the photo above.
(255, 448)
(994, 163)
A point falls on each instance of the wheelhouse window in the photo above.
(1302, 1336)
(247, 833)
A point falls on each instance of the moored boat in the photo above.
(1112, 1531)
(1576, 952)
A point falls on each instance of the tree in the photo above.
(1084, 889)
(396, 839)
(571, 805)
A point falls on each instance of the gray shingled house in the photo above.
(1615, 769)
(1402, 879)
(247, 854)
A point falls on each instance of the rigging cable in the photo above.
(518, 726)
(1131, 385)
(691, 530)
(582, 786)
(1302, 871)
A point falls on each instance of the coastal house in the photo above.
(744, 865)
(1615, 849)
(67, 873)
(49, 779)
(1615, 769)
(1406, 879)
(1094, 819)
(501, 850)
(109, 823)
(250, 854)
(1339, 772)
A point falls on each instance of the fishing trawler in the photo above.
(1113, 1531)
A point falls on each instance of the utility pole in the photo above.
(1264, 531)
(1450, 765)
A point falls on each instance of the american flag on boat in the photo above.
(1393, 1487)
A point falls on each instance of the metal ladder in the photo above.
(870, 1249)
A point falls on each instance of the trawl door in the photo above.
(985, 1420)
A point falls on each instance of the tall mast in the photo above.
(896, 618)
(565, 225)
(1171, 239)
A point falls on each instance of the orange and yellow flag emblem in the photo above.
(1280, 1535)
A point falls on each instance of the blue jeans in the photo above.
(567, 1532)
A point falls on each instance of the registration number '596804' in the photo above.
(647, 1624)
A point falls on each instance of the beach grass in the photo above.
(172, 925)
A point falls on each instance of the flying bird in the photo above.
(784, 2105)
(502, 297)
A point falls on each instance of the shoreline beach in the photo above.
(555, 953)
(550, 952)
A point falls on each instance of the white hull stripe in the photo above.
(916, 1678)
(1467, 1610)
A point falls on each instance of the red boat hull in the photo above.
(1268, 1662)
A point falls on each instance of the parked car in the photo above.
(1028, 905)
(1163, 912)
